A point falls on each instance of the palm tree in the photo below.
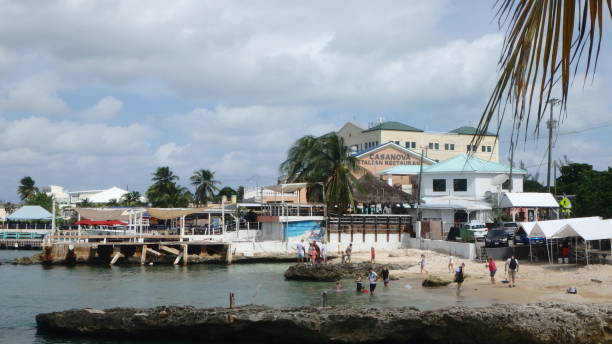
(26, 188)
(163, 188)
(86, 203)
(131, 199)
(544, 43)
(112, 203)
(9, 208)
(205, 185)
(324, 160)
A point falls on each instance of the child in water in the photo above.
(359, 283)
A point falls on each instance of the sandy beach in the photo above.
(536, 282)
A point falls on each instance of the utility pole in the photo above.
(551, 125)
(419, 212)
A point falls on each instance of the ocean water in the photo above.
(28, 290)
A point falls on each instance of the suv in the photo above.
(473, 231)
(496, 237)
(510, 228)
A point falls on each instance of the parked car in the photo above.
(496, 238)
(473, 231)
(510, 228)
(520, 237)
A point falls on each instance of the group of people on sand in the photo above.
(315, 253)
(511, 269)
(372, 278)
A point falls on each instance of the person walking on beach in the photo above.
(372, 276)
(324, 252)
(459, 277)
(385, 275)
(301, 251)
(492, 269)
(423, 263)
(451, 263)
(347, 253)
(512, 268)
(372, 255)
(313, 254)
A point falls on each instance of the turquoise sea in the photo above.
(28, 290)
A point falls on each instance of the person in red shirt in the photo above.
(372, 255)
(492, 269)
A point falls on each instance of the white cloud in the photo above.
(165, 154)
(33, 95)
(107, 108)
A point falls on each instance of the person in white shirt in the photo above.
(423, 263)
(451, 263)
(323, 247)
(301, 250)
(372, 277)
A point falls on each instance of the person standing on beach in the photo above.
(313, 254)
(459, 277)
(347, 253)
(372, 255)
(492, 269)
(385, 275)
(372, 276)
(324, 252)
(451, 263)
(512, 268)
(359, 283)
(423, 263)
(301, 250)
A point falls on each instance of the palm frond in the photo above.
(541, 46)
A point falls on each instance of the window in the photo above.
(449, 146)
(376, 143)
(460, 184)
(413, 144)
(484, 148)
(434, 145)
(410, 144)
(472, 148)
(506, 185)
(439, 185)
(488, 149)
(397, 142)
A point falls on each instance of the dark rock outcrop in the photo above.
(29, 260)
(433, 281)
(335, 272)
(537, 323)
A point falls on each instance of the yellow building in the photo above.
(436, 146)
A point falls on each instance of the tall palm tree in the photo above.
(205, 185)
(324, 160)
(545, 41)
(86, 203)
(131, 199)
(26, 188)
(163, 188)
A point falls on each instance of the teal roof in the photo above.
(466, 163)
(30, 212)
(403, 169)
(393, 126)
(469, 131)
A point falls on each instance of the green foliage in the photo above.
(40, 199)
(9, 207)
(205, 185)
(324, 160)
(112, 203)
(240, 193)
(533, 186)
(592, 189)
(131, 199)
(165, 193)
(86, 203)
(27, 188)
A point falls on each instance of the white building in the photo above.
(71, 198)
(463, 188)
(61, 196)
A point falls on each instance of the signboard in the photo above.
(566, 205)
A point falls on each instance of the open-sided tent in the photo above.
(595, 229)
(548, 229)
(30, 213)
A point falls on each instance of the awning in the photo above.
(288, 188)
(172, 213)
(588, 230)
(548, 229)
(30, 212)
(87, 222)
(528, 200)
(103, 214)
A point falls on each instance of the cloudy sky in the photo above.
(99, 93)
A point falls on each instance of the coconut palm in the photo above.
(205, 185)
(26, 188)
(86, 203)
(545, 41)
(324, 160)
(164, 188)
(131, 199)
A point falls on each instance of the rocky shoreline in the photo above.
(334, 272)
(533, 323)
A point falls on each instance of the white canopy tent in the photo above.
(529, 200)
(589, 230)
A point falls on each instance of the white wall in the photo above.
(361, 245)
(458, 249)
(428, 184)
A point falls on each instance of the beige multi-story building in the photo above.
(435, 145)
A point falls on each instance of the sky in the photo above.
(95, 94)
